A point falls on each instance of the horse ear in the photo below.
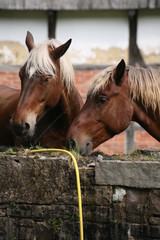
(29, 41)
(119, 72)
(60, 51)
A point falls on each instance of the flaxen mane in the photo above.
(40, 62)
(144, 84)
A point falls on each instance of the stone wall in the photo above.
(38, 198)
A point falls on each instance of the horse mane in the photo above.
(100, 80)
(144, 84)
(40, 62)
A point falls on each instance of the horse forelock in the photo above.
(39, 61)
(144, 84)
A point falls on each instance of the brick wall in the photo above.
(10, 78)
(82, 79)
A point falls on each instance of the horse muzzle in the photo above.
(84, 148)
(21, 130)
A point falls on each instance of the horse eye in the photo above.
(47, 80)
(102, 99)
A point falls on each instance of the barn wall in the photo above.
(38, 198)
(98, 37)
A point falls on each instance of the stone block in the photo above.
(121, 231)
(137, 174)
(97, 195)
(33, 180)
(87, 176)
(154, 220)
(154, 202)
(98, 214)
(97, 231)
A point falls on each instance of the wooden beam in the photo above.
(52, 19)
(135, 56)
(129, 140)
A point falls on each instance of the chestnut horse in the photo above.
(117, 96)
(43, 110)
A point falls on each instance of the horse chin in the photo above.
(26, 135)
(85, 151)
(24, 140)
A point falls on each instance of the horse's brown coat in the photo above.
(43, 110)
(117, 96)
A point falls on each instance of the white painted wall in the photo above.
(15, 24)
(98, 36)
(149, 31)
(92, 29)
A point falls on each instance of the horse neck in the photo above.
(75, 102)
(63, 106)
(60, 113)
(71, 102)
(66, 109)
(147, 119)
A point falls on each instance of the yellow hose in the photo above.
(77, 178)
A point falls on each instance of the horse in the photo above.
(42, 111)
(116, 96)
(8, 100)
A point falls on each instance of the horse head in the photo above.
(41, 84)
(108, 110)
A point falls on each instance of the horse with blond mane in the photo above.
(43, 110)
(117, 96)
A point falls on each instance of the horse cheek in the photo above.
(110, 116)
(124, 116)
(118, 116)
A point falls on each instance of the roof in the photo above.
(78, 4)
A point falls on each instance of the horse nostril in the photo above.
(87, 144)
(20, 129)
(86, 149)
(72, 143)
(17, 129)
(27, 126)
